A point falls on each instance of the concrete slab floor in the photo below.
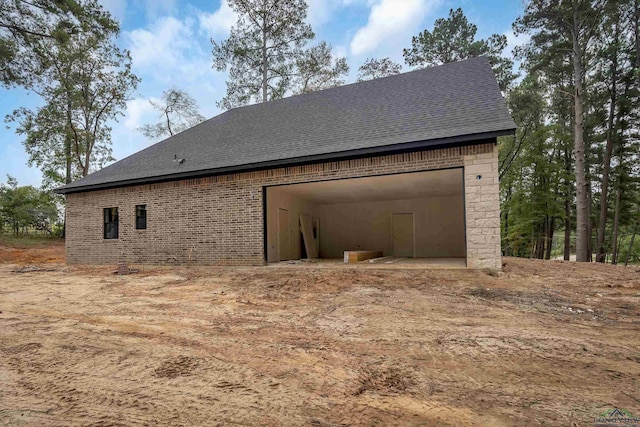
(401, 263)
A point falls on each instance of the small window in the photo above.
(141, 217)
(110, 223)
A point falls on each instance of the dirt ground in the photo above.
(544, 343)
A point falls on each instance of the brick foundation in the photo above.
(219, 219)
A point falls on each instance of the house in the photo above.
(406, 165)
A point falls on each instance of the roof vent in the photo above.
(176, 159)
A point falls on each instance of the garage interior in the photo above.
(410, 217)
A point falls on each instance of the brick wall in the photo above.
(219, 219)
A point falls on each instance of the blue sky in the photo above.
(170, 46)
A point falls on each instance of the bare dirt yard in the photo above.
(544, 343)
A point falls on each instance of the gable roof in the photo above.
(434, 106)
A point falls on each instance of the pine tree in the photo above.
(262, 49)
(572, 24)
(454, 39)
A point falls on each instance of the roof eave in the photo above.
(390, 149)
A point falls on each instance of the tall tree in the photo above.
(179, 111)
(316, 69)
(262, 49)
(454, 39)
(25, 24)
(85, 84)
(573, 23)
(530, 174)
(377, 68)
(612, 53)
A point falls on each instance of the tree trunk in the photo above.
(166, 113)
(539, 254)
(265, 93)
(532, 251)
(604, 201)
(616, 222)
(567, 208)
(618, 246)
(67, 153)
(67, 141)
(633, 237)
(552, 225)
(590, 222)
(636, 30)
(582, 201)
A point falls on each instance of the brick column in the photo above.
(482, 209)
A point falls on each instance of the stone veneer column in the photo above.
(482, 208)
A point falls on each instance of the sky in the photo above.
(170, 46)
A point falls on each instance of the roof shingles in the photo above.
(436, 103)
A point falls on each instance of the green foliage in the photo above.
(30, 240)
(377, 68)
(630, 247)
(262, 49)
(26, 207)
(531, 174)
(584, 56)
(316, 69)
(24, 25)
(85, 82)
(454, 39)
(179, 111)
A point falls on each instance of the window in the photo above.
(141, 217)
(110, 223)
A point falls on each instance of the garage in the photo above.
(409, 216)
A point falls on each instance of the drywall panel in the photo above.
(438, 223)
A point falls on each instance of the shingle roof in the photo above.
(431, 105)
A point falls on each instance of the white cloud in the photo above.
(218, 23)
(156, 8)
(162, 43)
(339, 51)
(391, 23)
(321, 12)
(138, 112)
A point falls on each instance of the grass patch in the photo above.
(29, 241)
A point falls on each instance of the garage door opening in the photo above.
(411, 216)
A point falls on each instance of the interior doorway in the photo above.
(403, 235)
(284, 235)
